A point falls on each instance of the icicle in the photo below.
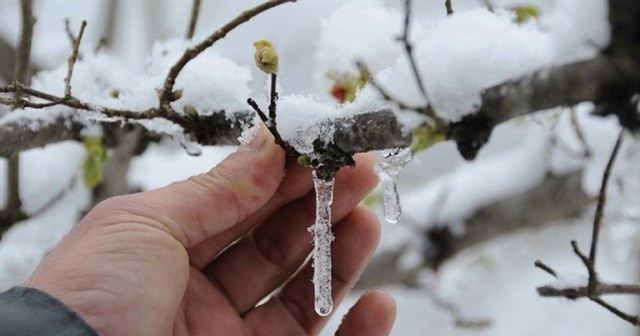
(322, 238)
(388, 172)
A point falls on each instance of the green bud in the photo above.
(191, 111)
(526, 12)
(175, 95)
(304, 160)
(92, 167)
(424, 137)
(265, 56)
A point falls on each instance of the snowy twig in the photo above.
(195, 11)
(447, 4)
(270, 120)
(76, 103)
(594, 288)
(425, 110)
(365, 70)
(71, 61)
(166, 95)
(408, 48)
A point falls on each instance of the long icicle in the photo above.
(388, 172)
(322, 238)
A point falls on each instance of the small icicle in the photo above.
(388, 171)
(322, 238)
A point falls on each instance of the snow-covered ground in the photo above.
(458, 56)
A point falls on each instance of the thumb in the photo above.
(206, 204)
(372, 315)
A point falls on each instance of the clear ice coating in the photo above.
(388, 171)
(322, 238)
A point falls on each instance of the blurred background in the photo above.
(460, 261)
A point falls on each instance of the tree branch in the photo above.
(71, 61)
(580, 292)
(594, 288)
(195, 11)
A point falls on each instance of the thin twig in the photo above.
(635, 320)
(595, 288)
(447, 4)
(255, 106)
(71, 61)
(602, 199)
(539, 264)
(270, 121)
(24, 46)
(166, 94)
(408, 48)
(364, 69)
(73, 102)
(12, 211)
(195, 11)
(273, 98)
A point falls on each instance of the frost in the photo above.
(388, 172)
(322, 238)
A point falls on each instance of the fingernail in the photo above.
(252, 139)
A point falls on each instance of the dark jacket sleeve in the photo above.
(27, 311)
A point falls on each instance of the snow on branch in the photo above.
(608, 80)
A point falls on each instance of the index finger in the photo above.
(207, 204)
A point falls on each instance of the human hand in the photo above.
(196, 257)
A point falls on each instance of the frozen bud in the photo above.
(191, 111)
(266, 56)
(175, 95)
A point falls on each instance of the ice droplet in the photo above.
(388, 171)
(322, 238)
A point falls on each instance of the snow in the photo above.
(569, 279)
(301, 119)
(322, 238)
(458, 57)
(489, 178)
(368, 39)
